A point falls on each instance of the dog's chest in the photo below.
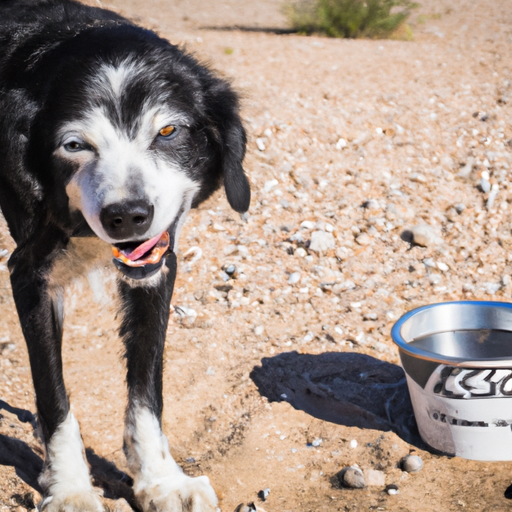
(80, 258)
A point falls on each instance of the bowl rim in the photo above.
(419, 353)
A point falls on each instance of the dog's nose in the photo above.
(128, 219)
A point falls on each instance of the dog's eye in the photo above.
(74, 146)
(168, 132)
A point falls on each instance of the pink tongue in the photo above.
(143, 248)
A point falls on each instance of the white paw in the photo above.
(182, 494)
(79, 502)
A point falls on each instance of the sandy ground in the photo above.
(361, 140)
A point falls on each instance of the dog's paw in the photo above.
(78, 502)
(183, 494)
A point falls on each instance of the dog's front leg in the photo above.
(65, 478)
(159, 483)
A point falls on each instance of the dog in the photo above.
(109, 135)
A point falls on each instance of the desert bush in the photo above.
(349, 18)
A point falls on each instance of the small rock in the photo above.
(294, 278)
(297, 237)
(418, 178)
(230, 270)
(353, 443)
(459, 207)
(269, 185)
(259, 330)
(423, 235)
(371, 204)
(260, 142)
(363, 239)
(392, 489)
(375, 478)
(301, 252)
(484, 185)
(435, 278)
(352, 477)
(262, 495)
(492, 196)
(307, 224)
(322, 241)
(317, 442)
(442, 266)
(411, 463)
(342, 143)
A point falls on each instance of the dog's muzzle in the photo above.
(141, 260)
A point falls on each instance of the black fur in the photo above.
(50, 51)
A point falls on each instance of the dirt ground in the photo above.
(360, 141)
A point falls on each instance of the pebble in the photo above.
(418, 178)
(442, 266)
(262, 495)
(423, 235)
(392, 489)
(485, 185)
(230, 270)
(307, 224)
(259, 330)
(371, 204)
(317, 442)
(375, 478)
(301, 252)
(294, 278)
(342, 143)
(459, 207)
(353, 443)
(363, 239)
(322, 241)
(352, 477)
(269, 185)
(492, 196)
(411, 463)
(260, 142)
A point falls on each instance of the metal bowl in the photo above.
(457, 357)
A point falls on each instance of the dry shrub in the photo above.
(376, 19)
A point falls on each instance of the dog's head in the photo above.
(142, 133)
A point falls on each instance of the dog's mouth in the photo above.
(139, 260)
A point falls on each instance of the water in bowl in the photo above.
(468, 344)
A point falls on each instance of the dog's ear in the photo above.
(224, 112)
(236, 183)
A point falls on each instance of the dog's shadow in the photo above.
(344, 388)
(28, 464)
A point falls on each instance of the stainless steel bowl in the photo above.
(457, 357)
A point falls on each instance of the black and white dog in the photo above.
(108, 136)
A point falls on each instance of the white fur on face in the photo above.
(107, 173)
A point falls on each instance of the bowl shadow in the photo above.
(345, 388)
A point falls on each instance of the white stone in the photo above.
(424, 235)
(375, 478)
(321, 241)
(342, 143)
